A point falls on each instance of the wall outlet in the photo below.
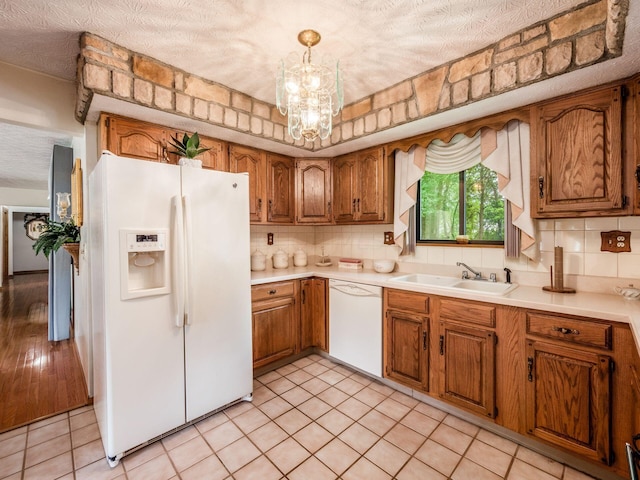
(269, 238)
(388, 238)
(615, 241)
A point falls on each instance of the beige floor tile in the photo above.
(288, 455)
(269, 377)
(349, 386)
(334, 421)
(466, 469)
(430, 411)
(393, 409)
(440, 458)
(451, 438)
(256, 384)
(48, 421)
(190, 453)
(419, 422)
(46, 450)
(101, 470)
(249, 421)
(287, 369)
(571, 474)
(52, 468)
(180, 437)
(211, 468)
(496, 441)
(462, 425)
(314, 408)
(158, 468)
(299, 377)
(262, 394)
(292, 421)
(82, 419)
(416, 470)
(238, 409)
(88, 453)
(47, 432)
(85, 434)
(363, 379)
(268, 436)
(364, 469)
(404, 399)
(337, 455)
(344, 370)
(315, 369)
(331, 377)
(143, 455)
(489, 457)
(540, 461)
(524, 471)
(259, 469)
(315, 386)
(327, 363)
(333, 396)
(312, 469)
(314, 357)
(275, 407)
(353, 408)
(13, 433)
(238, 454)
(296, 396)
(11, 464)
(281, 385)
(223, 435)
(369, 396)
(387, 456)
(359, 438)
(377, 422)
(405, 438)
(303, 362)
(313, 437)
(383, 389)
(80, 410)
(214, 420)
(11, 445)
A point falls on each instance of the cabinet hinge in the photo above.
(625, 200)
(612, 366)
(624, 91)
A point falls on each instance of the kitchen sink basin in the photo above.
(475, 286)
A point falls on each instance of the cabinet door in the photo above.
(406, 339)
(371, 191)
(244, 159)
(217, 157)
(313, 187)
(274, 331)
(344, 189)
(280, 191)
(468, 367)
(568, 399)
(576, 159)
(633, 135)
(136, 139)
(313, 313)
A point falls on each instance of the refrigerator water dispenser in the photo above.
(144, 263)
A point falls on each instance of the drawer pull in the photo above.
(424, 340)
(272, 292)
(566, 331)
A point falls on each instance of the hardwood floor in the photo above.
(38, 378)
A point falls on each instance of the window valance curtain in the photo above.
(506, 152)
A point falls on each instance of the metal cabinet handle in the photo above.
(272, 292)
(259, 205)
(353, 205)
(565, 331)
(530, 369)
(358, 205)
(304, 296)
(270, 205)
(541, 186)
(441, 343)
(424, 340)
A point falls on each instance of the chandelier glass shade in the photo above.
(309, 93)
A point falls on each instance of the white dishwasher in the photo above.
(355, 325)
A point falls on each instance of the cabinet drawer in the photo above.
(272, 290)
(476, 313)
(403, 300)
(574, 330)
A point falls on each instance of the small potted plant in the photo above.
(188, 148)
(59, 234)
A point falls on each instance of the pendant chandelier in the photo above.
(309, 93)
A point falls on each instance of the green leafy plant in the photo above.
(188, 147)
(54, 235)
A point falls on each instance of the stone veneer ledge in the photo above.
(585, 35)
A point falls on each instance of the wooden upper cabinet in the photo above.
(576, 161)
(360, 190)
(136, 139)
(216, 158)
(313, 191)
(632, 137)
(245, 159)
(280, 188)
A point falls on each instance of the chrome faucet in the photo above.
(465, 274)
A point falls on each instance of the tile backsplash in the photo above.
(585, 266)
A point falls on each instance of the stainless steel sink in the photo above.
(452, 283)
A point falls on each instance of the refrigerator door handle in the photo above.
(178, 261)
(188, 264)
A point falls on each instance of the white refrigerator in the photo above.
(171, 297)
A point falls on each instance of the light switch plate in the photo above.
(615, 241)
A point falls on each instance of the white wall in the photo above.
(24, 257)
(23, 196)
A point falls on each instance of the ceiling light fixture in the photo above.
(310, 93)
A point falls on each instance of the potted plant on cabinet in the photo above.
(188, 148)
(59, 234)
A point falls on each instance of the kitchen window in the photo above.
(462, 203)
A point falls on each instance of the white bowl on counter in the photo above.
(384, 266)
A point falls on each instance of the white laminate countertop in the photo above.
(595, 305)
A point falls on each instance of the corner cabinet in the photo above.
(576, 155)
(362, 187)
(313, 191)
(254, 162)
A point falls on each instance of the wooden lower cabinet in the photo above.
(406, 350)
(569, 399)
(313, 314)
